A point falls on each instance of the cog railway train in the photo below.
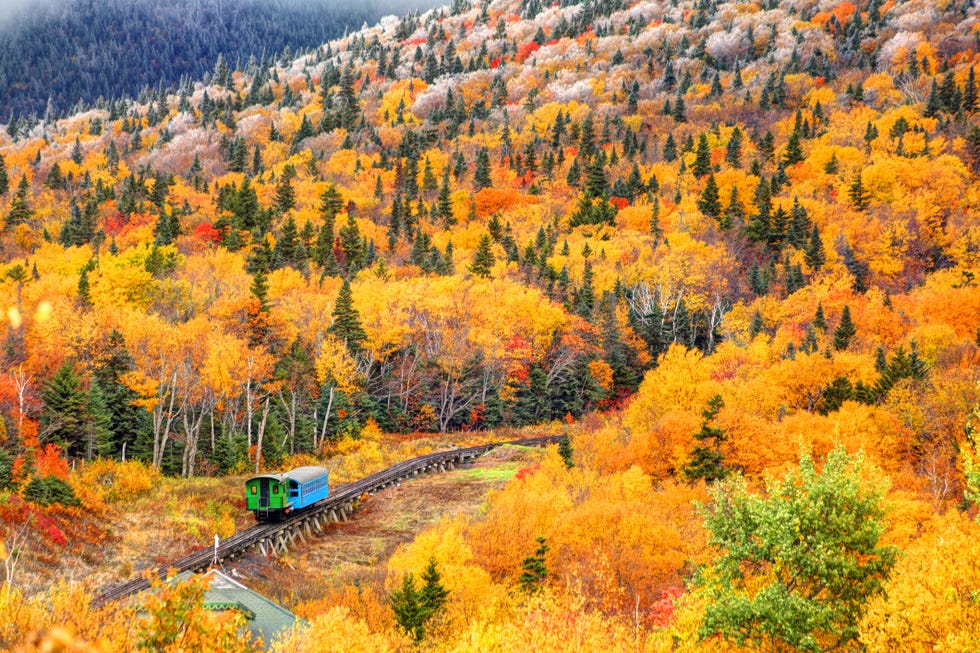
(270, 497)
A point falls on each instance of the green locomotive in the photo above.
(270, 497)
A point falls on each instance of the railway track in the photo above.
(271, 537)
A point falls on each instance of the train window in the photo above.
(275, 489)
(254, 490)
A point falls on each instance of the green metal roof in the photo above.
(266, 620)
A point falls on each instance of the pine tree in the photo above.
(126, 421)
(65, 416)
(406, 604)
(819, 320)
(565, 451)
(444, 203)
(860, 197)
(414, 608)
(483, 258)
(585, 300)
(20, 211)
(259, 289)
(347, 321)
(969, 101)
(352, 246)
(4, 179)
(535, 572)
(794, 150)
(710, 203)
(845, 330)
(677, 111)
(815, 256)
(670, 148)
(733, 151)
(702, 157)
(285, 195)
(481, 177)
(433, 595)
(706, 459)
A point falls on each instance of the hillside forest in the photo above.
(729, 249)
(59, 57)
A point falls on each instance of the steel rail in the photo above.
(345, 495)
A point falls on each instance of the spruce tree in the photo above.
(534, 569)
(710, 203)
(815, 256)
(794, 150)
(65, 416)
(4, 179)
(406, 605)
(860, 197)
(259, 289)
(20, 211)
(414, 608)
(285, 195)
(819, 320)
(483, 258)
(481, 177)
(733, 151)
(702, 157)
(347, 321)
(706, 459)
(565, 451)
(433, 595)
(845, 330)
(670, 148)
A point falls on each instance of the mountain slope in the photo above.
(76, 51)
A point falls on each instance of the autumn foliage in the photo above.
(597, 218)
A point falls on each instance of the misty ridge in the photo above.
(56, 55)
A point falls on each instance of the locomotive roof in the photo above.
(299, 474)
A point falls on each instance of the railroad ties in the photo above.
(274, 539)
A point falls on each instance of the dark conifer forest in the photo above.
(72, 51)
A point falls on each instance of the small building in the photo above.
(265, 619)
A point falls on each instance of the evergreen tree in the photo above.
(285, 195)
(733, 151)
(483, 258)
(433, 595)
(709, 203)
(794, 150)
(347, 321)
(670, 148)
(860, 197)
(126, 421)
(407, 606)
(444, 203)
(65, 418)
(677, 111)
(414, 608)
(565, 451)
(815, 256)
(535, 572)
(585, 300)
(845, 330)
(259, 289)
(352, 246)
(702, 157)
(481, 177)
(4, 179)
(819, 320)
(289, 248)
(20, 211)
(706, 459)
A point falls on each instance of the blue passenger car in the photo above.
(272, 496)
